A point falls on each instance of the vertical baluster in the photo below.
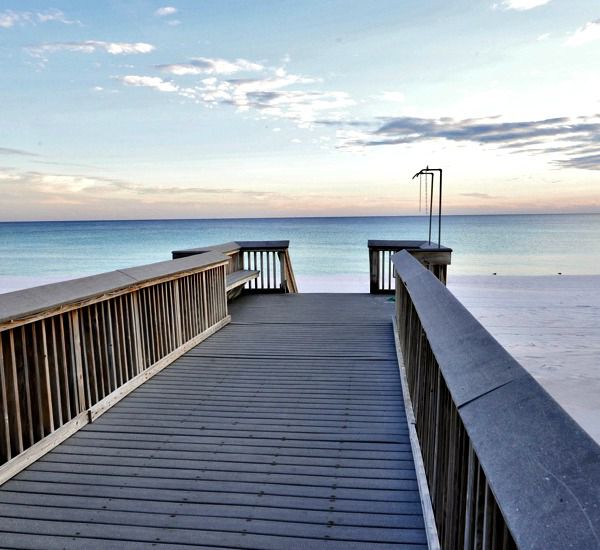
(269, 269)
(262, 270)
(27, 385)
(193, 306)
(109, 342)
(5, 446)
(168, 306)
(64, 363)
(46, 391)
(165, 325)
(55, 381)
(14, 379)
(100, 348)
(204, 302)
(157, 313)
(128, 336)
(191, 313)
(119, 339)
(179, 313)
(123, 344)
(147, 325)
(155, 324)
(139, 336)
(186, 310)
(82, 383)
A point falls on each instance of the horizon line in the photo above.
(91, 220)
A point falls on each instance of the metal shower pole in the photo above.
(430, 171)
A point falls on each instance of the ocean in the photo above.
(322, 249)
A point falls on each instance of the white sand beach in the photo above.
(551, 325)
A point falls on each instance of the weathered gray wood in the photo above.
(240, 278)
(284, 430)
(43, 301)
(502, 453)
(434, 258)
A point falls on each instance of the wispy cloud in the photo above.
(165, 11)
(478, 195)
(521, 5)
(83, 187)
(154, 82)
(572, 141)
(10, 18)
(393, 97)
(91, 46)
(16, 152)
(588, 33)
(269, 91)
(209, 66)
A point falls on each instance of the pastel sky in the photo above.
(197, 109)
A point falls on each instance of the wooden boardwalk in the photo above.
(285, 430)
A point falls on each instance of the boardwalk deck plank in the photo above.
(286, 429)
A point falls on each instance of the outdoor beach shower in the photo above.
(431, 172)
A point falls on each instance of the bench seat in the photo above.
(240, 278)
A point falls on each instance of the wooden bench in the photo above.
(240, 278)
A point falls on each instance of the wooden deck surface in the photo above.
(284, 430)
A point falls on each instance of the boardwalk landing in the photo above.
(284, 430)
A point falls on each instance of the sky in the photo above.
(264, 108)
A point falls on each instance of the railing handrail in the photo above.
(264, 245)
(224, 248)
(242, 253)
(383, 244)
(66, 295)
(381, 270)
(232, 247)
(542, 468)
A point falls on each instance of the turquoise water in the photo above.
(515, 245)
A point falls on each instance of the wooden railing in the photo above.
(506, 466)
(381, 268)
(270, 258)
(70, 350)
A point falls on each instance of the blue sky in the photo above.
(274, 108)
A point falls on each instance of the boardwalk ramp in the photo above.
(286, 429)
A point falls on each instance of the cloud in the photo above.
(82, 188)
(91, 46)
(575, 140)
(588, 33)
(478, 195)
(394, 97)
(16, 152)
(10, 18)
(165, 11)
(154, 82)
(273, 92)
(521, 5)
(206, 65)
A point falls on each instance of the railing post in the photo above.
(284, 282)
(374, 270)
